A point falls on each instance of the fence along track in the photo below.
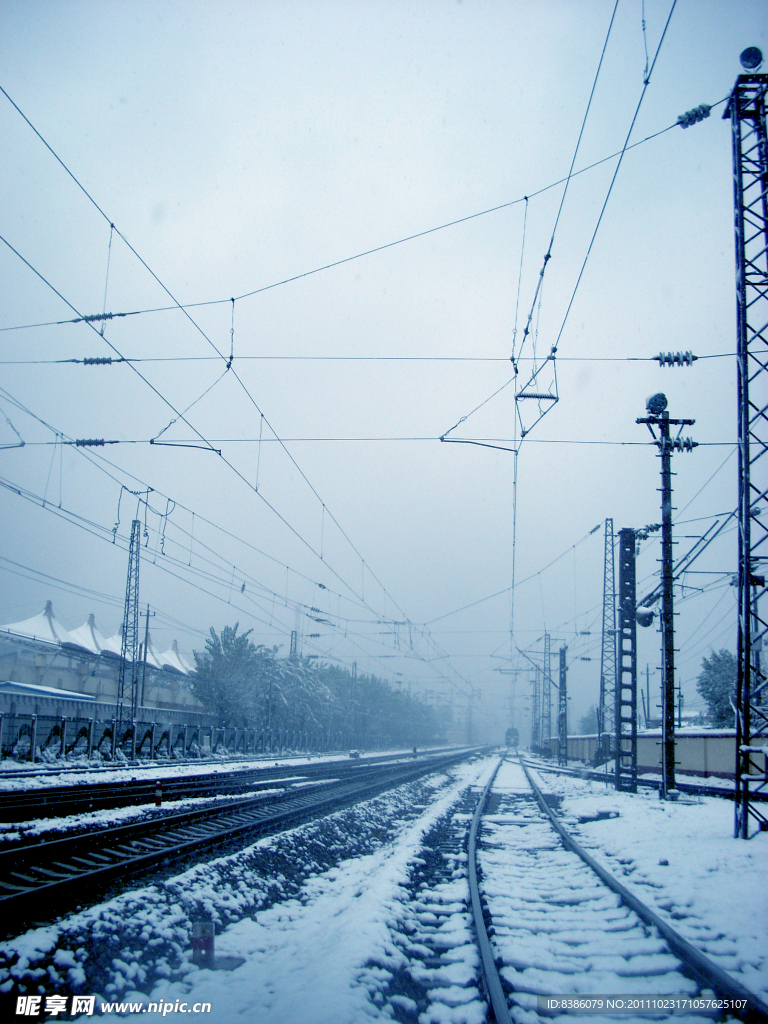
(75, 869)
(705, 970)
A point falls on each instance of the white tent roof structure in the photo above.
(153, 658)
(174, 661)
(87, 637)
(47, 628)
(44, 626)
(113, 645)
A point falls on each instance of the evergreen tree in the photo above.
(717, 685)
(231, 675)
(588, 723)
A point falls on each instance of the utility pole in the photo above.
(129, 647)
(746, 110)
(354, 703)
(144, 665)
(562, 712)
(658, 417)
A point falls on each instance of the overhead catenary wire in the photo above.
(349, 359)
(336, 263)
(486, 442)
(553, 351)
(101, 533)
(211, 343)
(548, 254)
(180, 416)
(31, 496)
(646, 83)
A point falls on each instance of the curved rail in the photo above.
(490, 973)
(705, 969)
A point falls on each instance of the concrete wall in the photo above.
(697, 751)
(12, 704)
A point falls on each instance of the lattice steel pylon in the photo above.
(562, 711)
(535, 716)
(129, 648)
(626, 684)
(606, 712)
(546, 700)
(746, 110)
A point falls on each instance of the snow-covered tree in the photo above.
(717, 685)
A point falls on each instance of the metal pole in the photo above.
(144, 666)
(659, 417)
(667, 613)
(535, 717)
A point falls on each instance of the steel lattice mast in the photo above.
(562, 711)
(129, 648)
(546, 701)
(535, 717)
(626, 688)
(606, 707)
(746, 109)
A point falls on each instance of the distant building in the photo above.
(40, 658)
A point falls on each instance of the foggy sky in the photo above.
(235, 145)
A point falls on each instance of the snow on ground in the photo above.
(608, 767)
(307, 958)
(680, 858)
(42, 777)
(309, 909)
(557, 928)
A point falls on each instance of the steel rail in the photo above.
(694, 788)
(705, 969)
(490, 973)
(75, 869)
(40, 768)
(46, 801)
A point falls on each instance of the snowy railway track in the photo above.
(46, 801)
(691, 788)
(77, 869)
(552, 921)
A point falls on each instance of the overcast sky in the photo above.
(237, 145)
